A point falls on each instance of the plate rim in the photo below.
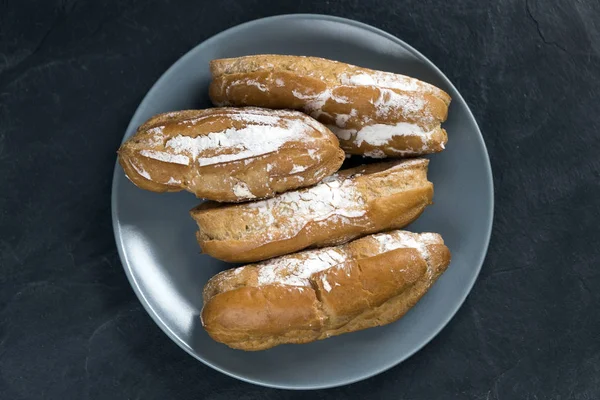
(172, 335)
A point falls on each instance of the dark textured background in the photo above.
(73, 72)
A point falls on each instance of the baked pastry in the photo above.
(373, 113)
(352, 203)
(316, 294)
(230, 154)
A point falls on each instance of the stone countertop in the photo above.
(73, 72)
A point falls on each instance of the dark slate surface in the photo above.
(71, 76)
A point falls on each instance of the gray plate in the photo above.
(155, 235)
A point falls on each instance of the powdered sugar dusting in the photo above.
(377, 153)
(157, 130)
(383, 79)
(254, 82)
(403, 239)
(298, 168)
(166, 157)
(254, 118)
(431, 238)
(156, 136)
(237, 144)
(296, 270)
(334, 197)
(343, 134)
(141, 171)
(241, 190)
(342, 119)
(315, 101)
(326, 284)
(410, 106)
(389, 103)
(298, 94)
(247, 82)
(382, 134)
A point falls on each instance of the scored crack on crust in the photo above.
(373, 113)
(349, 204)
(230, 154)
(315, 294)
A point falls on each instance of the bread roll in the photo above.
(349, 204)
(230, 154)
(316, 294)
(373, 113)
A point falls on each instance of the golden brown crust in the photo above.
(316, 294)
(374, 113)
(352, 203)
(230, 154)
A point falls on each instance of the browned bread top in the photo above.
(230, 154)
(373, 113)
(319, 293)
(351, 203)
(327, 71)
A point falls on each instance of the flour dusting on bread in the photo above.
(237, 144)
(333, 197)
(384, 79)
(379, 135)
(400, 240)
(316, 294)
(230, 154)
(352, 98)
(141, 171)
(346, 205)
(295, 271)
(241, 190)
(403, 239)
(166, 157)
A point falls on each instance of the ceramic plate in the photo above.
(155, 234)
